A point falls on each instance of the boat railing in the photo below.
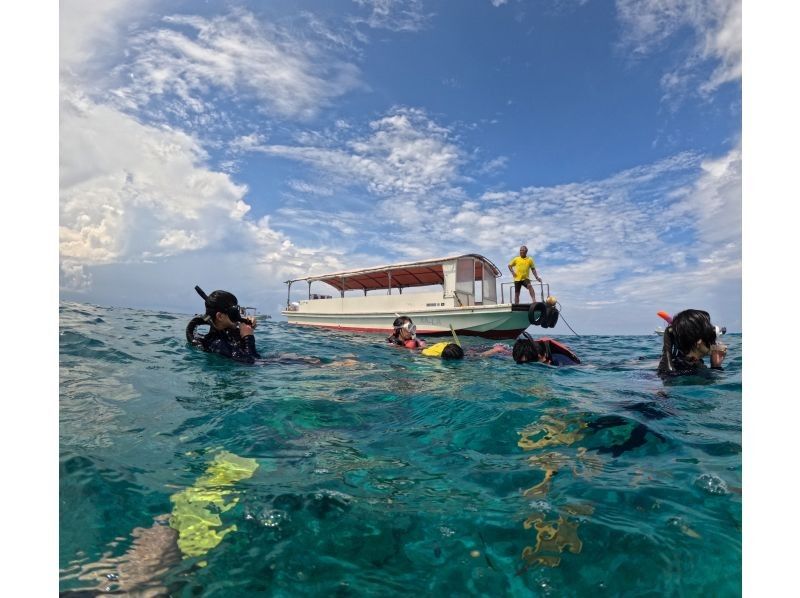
(544, 291)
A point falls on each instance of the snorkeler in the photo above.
(405, 334)
(444, 350)
(687, 340)
(230, 333)
(543, 350)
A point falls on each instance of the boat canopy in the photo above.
(405, 275)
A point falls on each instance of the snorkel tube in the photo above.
(667, 350)
(455, 337)
(191, 337)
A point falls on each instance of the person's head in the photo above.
(452, 351)
(223, 309)
(444, 350)
(692, 330)
(523, 251)
(528, 350)
(404, 328)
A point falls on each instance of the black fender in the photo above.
(551, 317)
(536, 313)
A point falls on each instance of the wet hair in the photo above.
(400, 320)
(690, 326)
(398, 324)
(221, 301)
(526, 349)
(452, 351)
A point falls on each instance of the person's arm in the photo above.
(242, 349)
(535, 273)
(511, 267)
(718, 356)
(247, 343)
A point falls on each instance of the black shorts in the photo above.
(518, 284)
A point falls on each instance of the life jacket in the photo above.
(435, 350)
(412, 343)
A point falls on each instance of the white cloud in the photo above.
(493, 166)
(89, 32)
(395, 15)
(309, 188)
(190, 57)
(405, 153)
(715, 24)
(133, 193)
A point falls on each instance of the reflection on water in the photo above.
(371, 470)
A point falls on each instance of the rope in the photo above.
(565, 321)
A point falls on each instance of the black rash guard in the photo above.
(228, 343)
(683, 366)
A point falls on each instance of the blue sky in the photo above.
(235, 145)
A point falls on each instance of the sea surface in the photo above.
(382, 472)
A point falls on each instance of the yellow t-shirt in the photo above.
(522, 266)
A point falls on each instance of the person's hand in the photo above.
(718, 351)
(245, 329)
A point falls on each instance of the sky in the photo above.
(235, 145)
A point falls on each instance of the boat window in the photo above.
(489, 286)
(465, 276)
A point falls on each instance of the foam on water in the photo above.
(394, 473)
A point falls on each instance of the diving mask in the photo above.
(410, 327)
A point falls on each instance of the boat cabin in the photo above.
(454, 281)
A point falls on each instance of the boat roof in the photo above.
(408, 274)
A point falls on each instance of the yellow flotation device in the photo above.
(195, 515)
(435, 350)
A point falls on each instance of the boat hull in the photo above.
(503, 321)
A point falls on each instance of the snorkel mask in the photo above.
(234, 312)
(409, 327)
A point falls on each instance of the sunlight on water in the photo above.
(380, 471)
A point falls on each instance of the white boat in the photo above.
(369, 299)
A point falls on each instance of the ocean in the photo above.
(382, 472)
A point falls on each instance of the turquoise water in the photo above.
(393, 473)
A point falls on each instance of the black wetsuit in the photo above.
(683, 366)
(228, 343)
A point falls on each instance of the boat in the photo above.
(458, 290)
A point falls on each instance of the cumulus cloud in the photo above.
(89, 32)
(188, 58)
(132, 193)
(716, 27)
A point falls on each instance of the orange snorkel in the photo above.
(665, 316)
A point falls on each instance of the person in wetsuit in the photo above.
(405, 334)
(230, 335)
(528, 350)
(687, 340)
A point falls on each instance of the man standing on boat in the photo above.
(519, 267)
